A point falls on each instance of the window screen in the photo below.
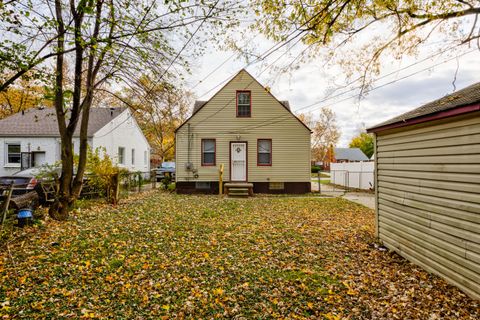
(208, 152)
(244, 104)
(264, 152)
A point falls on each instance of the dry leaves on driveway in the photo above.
(160, 255)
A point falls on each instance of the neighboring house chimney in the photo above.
(23, 112)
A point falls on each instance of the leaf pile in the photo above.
(162, 256)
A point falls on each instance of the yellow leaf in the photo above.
(218, 291)
(166, 307)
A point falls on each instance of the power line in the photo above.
(285, 117)
(366, 91)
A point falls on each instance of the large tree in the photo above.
(105, 42)
(325, 132)
(368, 29)
(364, 142)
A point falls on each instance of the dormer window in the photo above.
(244, 104)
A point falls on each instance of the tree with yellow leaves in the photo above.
(21, 96)
(325, 132)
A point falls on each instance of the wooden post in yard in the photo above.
(220, 180)
(116, 193)
(6, 202)
(153, 177)
(139, 182)
(319, 183)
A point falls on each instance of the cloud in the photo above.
(311, 83)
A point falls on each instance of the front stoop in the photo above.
(238, 189)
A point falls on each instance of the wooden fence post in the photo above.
(6, 202)
(153, 177)
(139, 182)
(319, 183)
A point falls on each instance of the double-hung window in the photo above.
(13, 153)
(121, 155)
(244, 104)
(264, 152)
(208, 152)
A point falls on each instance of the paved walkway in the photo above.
(363, 198)
(366, 199)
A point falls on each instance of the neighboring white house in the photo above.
(31, 139)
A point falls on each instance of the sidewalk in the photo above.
(363, 198)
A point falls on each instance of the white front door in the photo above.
(238, 158)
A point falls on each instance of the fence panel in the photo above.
(358, 175)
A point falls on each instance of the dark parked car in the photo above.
(25, 181)
(166, 169)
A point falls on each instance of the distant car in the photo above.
(165, 169)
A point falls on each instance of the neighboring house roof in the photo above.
(441, 108)
(199, 104)
(43, 122)
(350, 154)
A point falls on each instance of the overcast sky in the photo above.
(312, 82)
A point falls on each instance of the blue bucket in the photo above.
(25, 217)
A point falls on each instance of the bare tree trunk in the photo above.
(66, 198)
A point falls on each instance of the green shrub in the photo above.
(315, 169)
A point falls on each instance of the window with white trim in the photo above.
(133, 156)
(145, 157)
(13, 153)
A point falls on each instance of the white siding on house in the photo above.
(123, 131)
(269, 120)
(428, 206)
(49, 145)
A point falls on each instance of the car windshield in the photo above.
(168, 165)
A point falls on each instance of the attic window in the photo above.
(244, 104)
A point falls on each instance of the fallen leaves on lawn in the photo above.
(164, 256)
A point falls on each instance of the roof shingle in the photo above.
(43, 122)
(350, 154)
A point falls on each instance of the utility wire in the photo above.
(286, 117)
(366, 91)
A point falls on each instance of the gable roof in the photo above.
(467, 96)
(199, 104)
(43, 122)
(351, 154)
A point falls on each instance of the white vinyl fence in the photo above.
(357, 175)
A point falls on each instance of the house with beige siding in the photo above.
(427, 171)
(254, 137)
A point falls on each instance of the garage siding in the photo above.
(428, 204)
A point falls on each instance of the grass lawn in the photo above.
(164, 256)
(322, 175)
(322, 181)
